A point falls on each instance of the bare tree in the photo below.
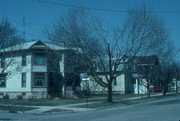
(147, 35)
(167, 56)
(142, 33)
(8, 39)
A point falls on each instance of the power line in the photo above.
(74, 6)
(97, 9)
(68, 5)
(28, 33)
(32, 19)
(33, 35)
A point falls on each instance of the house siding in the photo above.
(13, 79)
(95, 88)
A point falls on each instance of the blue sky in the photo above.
(40, 15)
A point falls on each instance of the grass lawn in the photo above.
(151, 98)
(125, 102)
(14, 109)
(40, 102)
(54, 102)
(127, 95)
(115, 96)
(104, 104)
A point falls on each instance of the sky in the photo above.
(34, 16)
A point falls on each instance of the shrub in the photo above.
(19, 97)
(6, 97)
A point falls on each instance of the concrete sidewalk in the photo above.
(69, 108)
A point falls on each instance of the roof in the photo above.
(28, 45)
(55, 47)
(146, 60)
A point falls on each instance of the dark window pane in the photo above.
(39, 59)
(115, 82)
(24, 60)
(133, 81)
(23, 80)
(39, 79)
(2, 64)
(2, 80)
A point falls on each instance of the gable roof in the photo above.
(31, 44)
(146, 60)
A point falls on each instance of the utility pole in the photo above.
(24, 29)
(177, 71)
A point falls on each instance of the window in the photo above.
(23, 60)
(39, 79)
(140, 82)
(60, 57)
(133, 81)
(2, 63)
(2, 80)
(40, 59)
(134, 67)
(115, 82)
(23, 80)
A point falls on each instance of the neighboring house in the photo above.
(174, 84)
(35, 70)
(143, 68)
(133, 79)
(89, 84)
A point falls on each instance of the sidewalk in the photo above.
(69, 107)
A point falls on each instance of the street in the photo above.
(161, 110)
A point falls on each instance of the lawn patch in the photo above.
(7, 119)
(40, 102)
(104, 104)
(15, 109)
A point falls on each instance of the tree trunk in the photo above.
(148, 91)
(164, 91)
(165, 87)
(148, 83)
(109, 98)
(176, 87)
(109, 91)
(166, 82)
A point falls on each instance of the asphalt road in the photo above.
(162, 110)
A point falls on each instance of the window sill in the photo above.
(39, 86)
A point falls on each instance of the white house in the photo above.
(174, 84)
(121, 85)
(133, 80)
(32, 70)
(89, 84)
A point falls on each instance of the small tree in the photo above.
(167, 69)
(8, 39)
